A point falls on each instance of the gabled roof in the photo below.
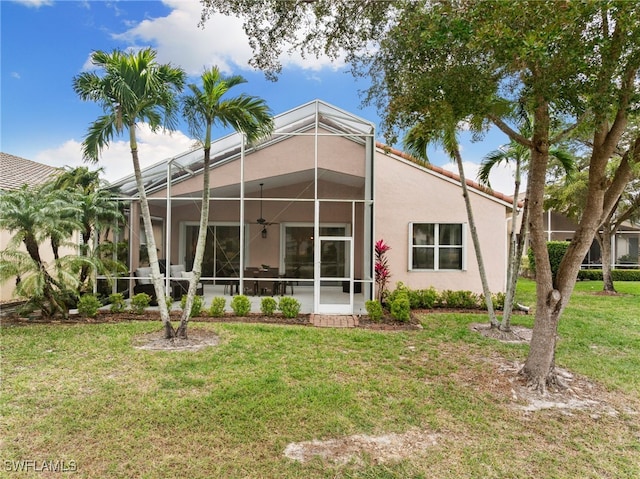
(449, 174)
(16, 171)
(296, 121)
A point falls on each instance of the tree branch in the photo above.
(510, 132)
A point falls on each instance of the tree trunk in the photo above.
(156, 277)
(553, 298)
(539, 365)
(604, 240)
(515, 254)
(476, 240)
(200, 245)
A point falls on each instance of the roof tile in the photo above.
(16, 171)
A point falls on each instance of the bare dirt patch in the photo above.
(196, 339)
(579, 393)
(518, 334)
(350, 449)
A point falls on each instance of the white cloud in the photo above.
(35, 3)
(15, 75)
(501, 177)
(116, 160)
(222, 42)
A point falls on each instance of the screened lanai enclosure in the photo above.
(291, 214)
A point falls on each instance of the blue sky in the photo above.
(46, 43)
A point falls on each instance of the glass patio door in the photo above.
(334, 276)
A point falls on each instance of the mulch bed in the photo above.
(387, 324)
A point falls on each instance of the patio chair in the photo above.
(273, 286)
(180, 287)
(144, 284)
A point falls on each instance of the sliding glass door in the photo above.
(222, 250)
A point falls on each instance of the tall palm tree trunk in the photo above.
(516, 246)
(200, 246)
(476, 240)
(156, 276)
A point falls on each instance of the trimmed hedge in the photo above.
(616, 274)
(556, 249)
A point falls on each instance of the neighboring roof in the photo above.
(449, 174)
(228, 148)
(16, 171)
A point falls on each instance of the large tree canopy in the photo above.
(474, 63)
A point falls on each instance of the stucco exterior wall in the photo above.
(406, 193)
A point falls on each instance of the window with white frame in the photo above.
(436, 246)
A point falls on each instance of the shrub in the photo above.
(117, 303)
(390, 297)
(556, 249)
(241, 305)
(196, 307)
(88, 305)
(415, 298)
(498, 301)
(400, 307)
(460, 299)
(428, 298)
(374, 309)
(140, 302)
(169, 301)
(289, 306)
(217, 307)
(616, 274)
(268, 306)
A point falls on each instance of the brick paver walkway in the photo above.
(334, 320)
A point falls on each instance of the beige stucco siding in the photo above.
(406, 193)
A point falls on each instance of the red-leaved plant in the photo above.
(382, 270)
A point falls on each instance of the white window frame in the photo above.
(436, 246)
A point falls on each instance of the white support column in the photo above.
(168, 229)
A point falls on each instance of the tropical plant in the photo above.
(202, 108)
(133, 88)
(381, 268)
(519, 154)
(33, 216)
(416, 142)
(98, 212)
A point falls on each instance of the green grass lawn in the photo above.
(83, 393)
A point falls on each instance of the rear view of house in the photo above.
(300, 212)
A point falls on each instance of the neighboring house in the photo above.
(14, 173)
(624, 245)
(312, 200)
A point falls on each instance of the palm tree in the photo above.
(98, 210)
(133, 88)
(519, 154)
(416, 142)
(202, 108)
(34, 215)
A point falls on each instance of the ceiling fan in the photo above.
(261, 220)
